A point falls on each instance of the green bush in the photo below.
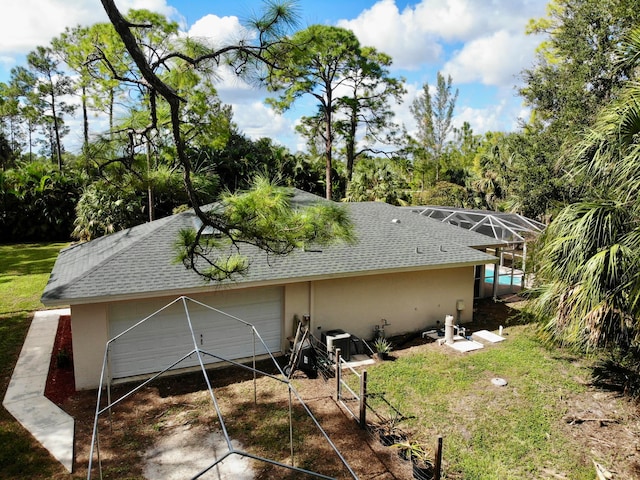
(37, 202)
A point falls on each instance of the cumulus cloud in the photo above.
(254, 118)
(501, 116)
(494, 59)
(218, 31)
(482, 120)
(25, 24)
(423, 34)
(472, 40)
(397, 34)
(258, 120)
(464, 20)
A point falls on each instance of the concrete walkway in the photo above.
(25, 399)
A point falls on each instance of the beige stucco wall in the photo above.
(297, 300)
(408, 301)
(90, 332)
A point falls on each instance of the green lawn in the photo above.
(490, 432)
(24, 271)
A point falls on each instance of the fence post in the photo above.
(363, 400)
(338, 375)
(438, 465)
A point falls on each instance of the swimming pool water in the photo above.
(503, 279)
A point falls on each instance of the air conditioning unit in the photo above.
(341, 341)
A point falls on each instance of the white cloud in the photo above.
(448, 19)
(463, 20)
(419, 35)
(472, 40)
(394, 33)
(258, 120)
(482, 120)
(218, 30)
(25, 24)
(234, 89)
(502, 113)
(494, 59)
(401, 111)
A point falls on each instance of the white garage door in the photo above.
(165, 337)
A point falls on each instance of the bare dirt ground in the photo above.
(164, 432)
(156, 432)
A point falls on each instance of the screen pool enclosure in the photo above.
(254, 342)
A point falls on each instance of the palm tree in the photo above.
(588, 268)
(378, 180)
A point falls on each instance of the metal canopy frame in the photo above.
(508, 227)
(254, 335)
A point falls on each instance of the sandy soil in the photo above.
(189, 450)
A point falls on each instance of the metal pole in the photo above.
(524, 265)
(438, 465)
(496, 275)
(255, 384)
(363, 400)
(290, 424)
(338, 374)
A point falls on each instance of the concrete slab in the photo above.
(25, 399)
(461, 344)
(23, 388)
(487, 336)
(359, 360)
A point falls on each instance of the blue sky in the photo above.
(480, 43)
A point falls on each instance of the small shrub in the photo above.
(63, 359)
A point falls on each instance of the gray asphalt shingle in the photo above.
(140, 261)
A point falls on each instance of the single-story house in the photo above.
(407, 269)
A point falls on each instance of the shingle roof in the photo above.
(140, 261)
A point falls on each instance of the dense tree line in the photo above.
(130, 172)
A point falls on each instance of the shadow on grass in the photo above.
(21, 456)
(622, 376)
(13, 330)
(28, 259)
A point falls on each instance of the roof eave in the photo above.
(236, 285)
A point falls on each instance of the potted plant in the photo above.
(389, 432)
(422, 465)
(383, 347)
(409, 449)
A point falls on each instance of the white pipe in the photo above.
(448, 329)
